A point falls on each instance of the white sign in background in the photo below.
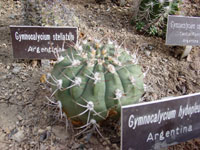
(183, 30)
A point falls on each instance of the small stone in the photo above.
(108, 141)
(75, 146)
(189, 58)
(35, 130)
(150, 47)
(16, 69)
(40, 131)
(19, 118)
(101, 140)
(48, 128)
(3, 78)
(102, 6)
(19, 136)
(122, 2)
(147, 53)
(43, 146)
(12, 132)
(43, 136)
(34, 63)
(107, 148)
(155, 96)
(144, 46)
(7, 130)
(45, 64)
(104, 143)
(19, 97)
(53, 148)
(32, 143)
(115, 146)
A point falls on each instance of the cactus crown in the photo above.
(152, 15)
(93, 80)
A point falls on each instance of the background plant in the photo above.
(152, 15)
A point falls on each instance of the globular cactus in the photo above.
(152, 15)
(93, 80)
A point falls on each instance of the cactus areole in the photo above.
(93, 80)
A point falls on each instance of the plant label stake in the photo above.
(159, 124)
(183, 31)
(36, 42)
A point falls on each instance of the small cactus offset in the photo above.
(93, 80)
(152, 15)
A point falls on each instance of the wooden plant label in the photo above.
(158, 124)
(183, 30)
(34, 42)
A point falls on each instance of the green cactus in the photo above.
(93, 80)
(153, 15)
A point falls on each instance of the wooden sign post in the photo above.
(35, 42)
(183, 31)
(158, 124)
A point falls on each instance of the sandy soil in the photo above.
(28, 122)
